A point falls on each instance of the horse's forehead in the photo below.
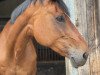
(59, 6)
(19, 10)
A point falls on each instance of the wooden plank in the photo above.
(78, 17)
(86, 15)
(83, 14)
(96, 67)
(93, 37)
(98, 35)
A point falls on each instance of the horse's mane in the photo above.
(63, 6)
(20, 9)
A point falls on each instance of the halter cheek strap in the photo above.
(19, 10)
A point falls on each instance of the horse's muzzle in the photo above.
(79, 60)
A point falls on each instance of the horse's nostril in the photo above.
(85, 55)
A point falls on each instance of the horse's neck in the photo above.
(19, 24)
(25, 53)
(22, 40)
(22, 54)
(21, 43)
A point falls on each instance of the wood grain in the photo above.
(87, 18)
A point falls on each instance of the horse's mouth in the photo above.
(68, 48)
(74, 63)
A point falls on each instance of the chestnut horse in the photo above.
(47, 21)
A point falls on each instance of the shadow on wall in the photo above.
(53, 68)
(7, 6)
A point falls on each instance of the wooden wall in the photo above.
(85, 14)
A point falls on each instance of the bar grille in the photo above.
(47, 54)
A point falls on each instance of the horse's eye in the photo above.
(60, 18)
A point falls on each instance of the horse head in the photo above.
(51, 26)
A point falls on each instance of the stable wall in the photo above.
(85, 14)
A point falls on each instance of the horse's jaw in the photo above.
(77, 56)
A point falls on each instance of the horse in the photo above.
(48, 22)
